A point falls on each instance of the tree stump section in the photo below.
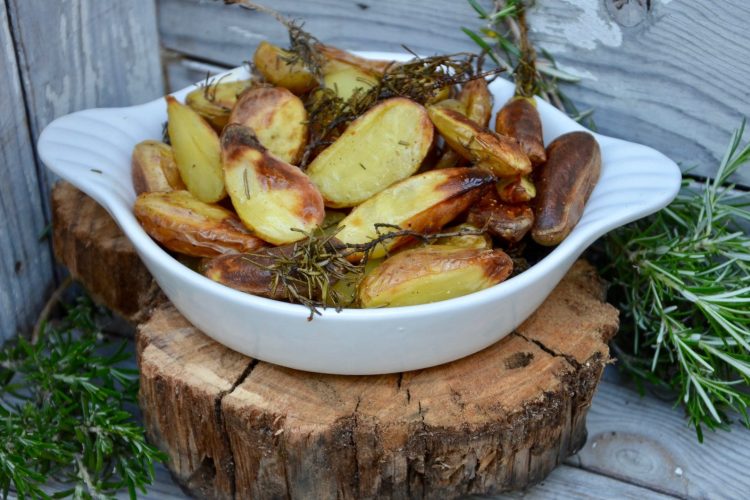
(99, 255)
(234, 427)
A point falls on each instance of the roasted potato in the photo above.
(375, 66)
(248, 273)
(433, 273)
(346, 287)
(344, 78)
(518, 189)
(272, 62)
(502, 220)
(197, 152)
(499, 154)
(385, 145)
(424, 203)
(480, 241)
(278, 119)
(477, 101)
(153, 168)
(520, 119)
(184, 224)
(273, 198)
(564, 184)
(214, 102)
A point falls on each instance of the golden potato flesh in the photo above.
(214, 102)
(502, 155)
(272, 62)
(186, 225)
(477, 100)
(345, 79)
(197, 152)
(153, 168)
(518, 189)
(278, 119)
(431, 274)
(273, 198)
(376, 66)
(479, 240)
(422, 203)
(383, 146)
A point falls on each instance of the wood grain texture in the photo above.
(26, 264)
(499, 420)
(672, 77)
(77, 54)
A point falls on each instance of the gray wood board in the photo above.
(672, 77)
(78, 54)
(26, 264)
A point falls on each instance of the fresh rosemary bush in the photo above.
(682, 280)
(63, 414)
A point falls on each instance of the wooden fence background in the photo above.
(671, 74)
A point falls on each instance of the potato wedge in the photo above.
(273, 198)
(502, 155)
(248, 273)
(383, 146)
(345, 78)
(423, 203)
(197, 152)
(346, 287)
(480, 241)
(431, 274)
(278, 119)
(184, 224)
(519, 189)
(153, 168)
(564, 184)
(272, 62)
(477, 101)
(519, 119)
(502, 220)
(376, 66)
(214, 102)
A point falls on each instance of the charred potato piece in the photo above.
(197, 152)
(346, 78)
(184, 224)
(520, 189)
(278, 119)
(272, 62)
(480, 241)
(477, 101)
(520, 119)
(214, 102)
(153, 168)
(383, 146)
(273, 198)
(499, 154)
(508, 222)
(564, 184)
(248, 273)
(431, 274)
(423, 203)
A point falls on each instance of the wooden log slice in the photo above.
(498, 420)
(99, 255)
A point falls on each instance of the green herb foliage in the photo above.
(682, 278)
(63, 414)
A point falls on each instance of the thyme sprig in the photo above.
(63, 413)
(682, 280)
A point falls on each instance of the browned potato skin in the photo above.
(520, 119)
(153, 168)
(520, 189)
(508, 222)
(270, 62)
(500, 154)
(413, 269)
(564, 185)
(248, 273)
(184, 224)
(477, 99)
(278, 119)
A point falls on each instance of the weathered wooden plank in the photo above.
(26, 264)
(647, 442)
(666, 76)
(76, 54)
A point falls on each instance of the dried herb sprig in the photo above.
(210, 86)
(305, 272)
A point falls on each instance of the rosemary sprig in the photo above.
(63, 414)
(682, 280)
